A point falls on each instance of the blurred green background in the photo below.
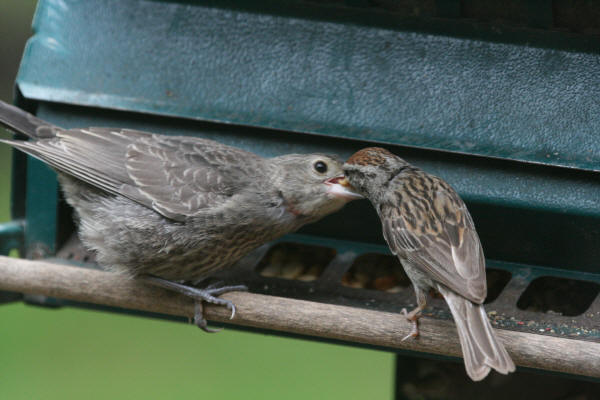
(72, 353)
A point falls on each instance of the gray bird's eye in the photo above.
(320, 167)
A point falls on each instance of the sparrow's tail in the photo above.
(21, 121)
(480, 346)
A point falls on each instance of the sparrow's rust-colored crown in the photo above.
(370, 156)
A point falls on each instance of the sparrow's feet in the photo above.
(413, 318)
(207, 295)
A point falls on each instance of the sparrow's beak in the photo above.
(340, 187)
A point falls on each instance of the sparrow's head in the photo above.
(310, 184)
(368, 170)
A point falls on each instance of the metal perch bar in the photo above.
(296, 316)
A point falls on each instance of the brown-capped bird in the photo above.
(427, 225)
(175, 209)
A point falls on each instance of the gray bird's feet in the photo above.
(413, 318)
(207, 295)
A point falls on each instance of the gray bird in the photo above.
(428, 227)
(175, 209)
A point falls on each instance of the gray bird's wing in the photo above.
(436, 233)
(178, 176)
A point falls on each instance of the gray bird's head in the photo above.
(310, 184)
(370, 169)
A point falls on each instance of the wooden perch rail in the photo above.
(296, 316)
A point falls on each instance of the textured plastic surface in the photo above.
(330, 71)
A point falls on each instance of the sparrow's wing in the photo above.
(437, 234)
(177, 176)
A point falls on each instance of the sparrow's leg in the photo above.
(415, 314)
(199, 295)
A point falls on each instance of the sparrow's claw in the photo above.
(413, 318)
(200, 295)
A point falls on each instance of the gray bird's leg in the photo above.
(199, 295)
(415, 314)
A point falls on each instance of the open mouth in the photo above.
(340, 187)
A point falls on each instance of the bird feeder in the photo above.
(499, 100)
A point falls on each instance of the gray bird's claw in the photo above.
(200, 321)
(207, 295)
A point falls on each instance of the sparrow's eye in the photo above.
(320, 167)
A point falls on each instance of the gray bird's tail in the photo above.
(21, 121)
(480, 346)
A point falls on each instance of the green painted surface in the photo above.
(328, 68)
(41, 206)
(5, 160)
(11, 236)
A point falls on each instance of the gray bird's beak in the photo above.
(340, 187)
